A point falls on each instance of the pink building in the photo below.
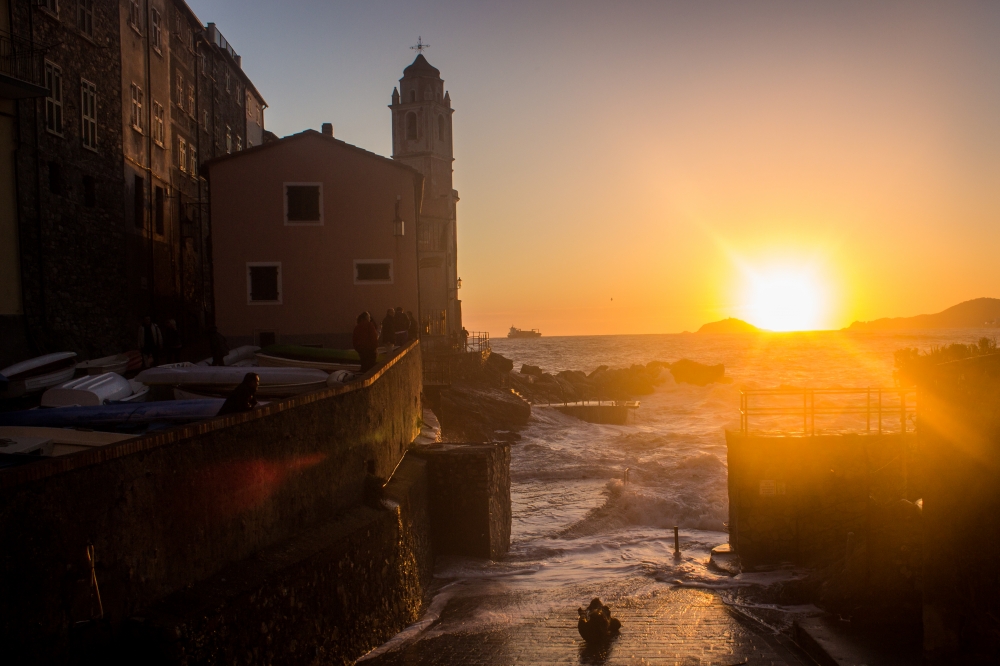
(307, 232)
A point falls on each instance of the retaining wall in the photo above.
(168, 510)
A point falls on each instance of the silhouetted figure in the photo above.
(465, 339)
(366, 341)
(172, 342)
(150, 342)
(219, 346)
(400, 327)
(412, 331)
(388, 327)
(596, 624)
(244, 397)
(374, 487)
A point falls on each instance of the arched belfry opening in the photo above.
(411, 126)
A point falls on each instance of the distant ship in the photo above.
(518, 333)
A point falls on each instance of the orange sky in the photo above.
(657, 153)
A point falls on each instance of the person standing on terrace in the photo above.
(366, 341)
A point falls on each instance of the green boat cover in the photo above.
(302, 353)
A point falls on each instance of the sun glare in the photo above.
(785, 300)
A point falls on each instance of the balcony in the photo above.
(22, 68)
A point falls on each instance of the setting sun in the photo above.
(785, 300)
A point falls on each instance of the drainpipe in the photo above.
(42, 309)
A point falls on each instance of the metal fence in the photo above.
(20, 60)
(881, 410)
(478, 341)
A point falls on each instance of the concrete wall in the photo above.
(319, 295)
(171, 509)
(469, 498)
(958, 467)
(798, 499)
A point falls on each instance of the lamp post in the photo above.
(458, 283)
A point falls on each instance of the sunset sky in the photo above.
(646, 167)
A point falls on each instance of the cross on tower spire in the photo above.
(420, 46)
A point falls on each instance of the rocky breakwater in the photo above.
(489, 401)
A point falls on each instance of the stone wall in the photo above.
(171, 509)
(958, 468)
(840, 503)
(469, 498)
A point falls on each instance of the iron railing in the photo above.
(478, 341)
(883, 409)
(22, 61)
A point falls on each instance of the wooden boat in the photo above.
(115, 415)
(268, 361)
(209, 380)
(519, 333)
(300, 356)
(38, 374)
(117, 363)
(88, 390)
(236, 357)
(60, 441)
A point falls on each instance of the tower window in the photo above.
(411, 126)
(440, 128)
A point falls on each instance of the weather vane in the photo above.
(420, 46)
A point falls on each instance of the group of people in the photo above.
(397, 329)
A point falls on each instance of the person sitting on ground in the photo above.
(172, 342)
(596, 624)
(388, 328)
(400, 326)
(366, 341)
(244, 397)
(150, 342)
(412, 331)
(219, 346)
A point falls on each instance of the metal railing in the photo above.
(883, 409)
(478, 341)
(22, 61)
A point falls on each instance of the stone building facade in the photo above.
(422, 139)
(111, 209)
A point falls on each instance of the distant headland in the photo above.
(730, 325)
(971, 314)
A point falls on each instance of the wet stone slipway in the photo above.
(662, 624)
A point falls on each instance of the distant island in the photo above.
(731, 325)
(970, 314)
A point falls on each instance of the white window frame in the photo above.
(136, 109)
(182, 154)
(158, 131)
(155, 30)
(229, 139)
(392, 271)
(135, 16)
(190, 100)
(88, 114)
(179, 80)
(85, 17)
(192, 161)
(281, 291)
(54, 99)
(239, 145)
(301, 223)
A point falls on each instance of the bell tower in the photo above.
(421, 138)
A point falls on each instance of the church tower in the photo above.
(421, 138)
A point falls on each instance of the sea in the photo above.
(576, 520)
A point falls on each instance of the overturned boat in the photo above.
(38, 374)
(220, 381)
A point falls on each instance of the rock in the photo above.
(499, 363)
(530, 370)
(470, 413)
(699, 374)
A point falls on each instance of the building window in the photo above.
(239, 143)
(182, 154)
(193, 162)
(89, 192)
(440, 128)
(204, 118)
(136, 114)
(304, 203)
(264, 283)
(88, 114)
(51, 6)
(265, 338)
(85, 16)
(411, 126)
(135, 16)
(229, 139)
(158, 209)
(158, 133)
(204, 63)
(139, 202)
(227, 79)
(180, 89)
(154, 32)
(191, 99)
(373, 271)
(54, 100)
